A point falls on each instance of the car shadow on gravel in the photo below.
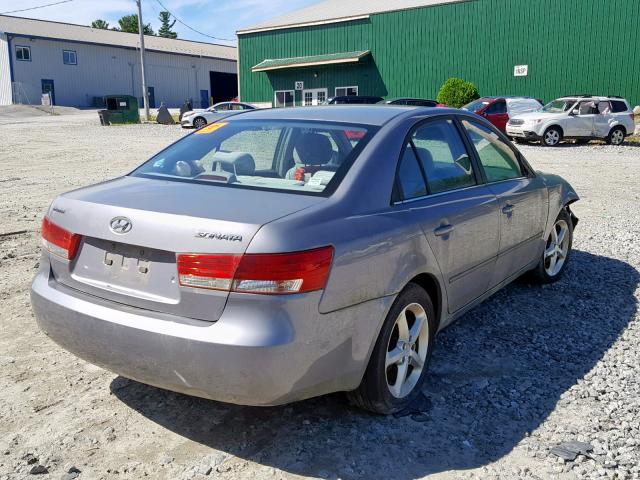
(497, 374)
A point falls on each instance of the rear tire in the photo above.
(551, 137)
(557, 250)
(616, 136)
(400, 359)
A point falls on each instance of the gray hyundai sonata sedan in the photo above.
(282, 254)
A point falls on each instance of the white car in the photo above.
(582, 118)
(200, 117)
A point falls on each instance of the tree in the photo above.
(100, 24)
(456, 92)
(129, 24)
(166, 25)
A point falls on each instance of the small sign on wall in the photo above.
(299, 85)
(521, 70)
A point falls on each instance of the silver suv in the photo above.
(582, 118)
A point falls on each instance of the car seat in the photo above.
(315, 153)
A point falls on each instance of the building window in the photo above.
(308, 98)
(23, 53)
(69, 57)
(284, 98)
(346, 91)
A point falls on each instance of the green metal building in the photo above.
(393, 48)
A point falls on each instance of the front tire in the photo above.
(616, 136)
(551, 137)
(199, 122)
(400, 359)
(557, 250)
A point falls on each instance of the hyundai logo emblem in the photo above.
(120, 225)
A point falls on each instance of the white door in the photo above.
(314, 96)
(581, 125)
(603, 120)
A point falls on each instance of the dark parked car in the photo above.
(415, 102)
(288, 253)
(498, 110)
(353, 100)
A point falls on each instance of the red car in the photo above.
(498, 109)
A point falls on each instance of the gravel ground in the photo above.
(530, 368)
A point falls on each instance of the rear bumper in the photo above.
(262, 351)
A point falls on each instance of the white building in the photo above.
(79, 65)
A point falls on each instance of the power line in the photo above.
(36, 8)
(193, 29)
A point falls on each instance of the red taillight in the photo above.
(277, 273)
(59, 241)
(207, 271)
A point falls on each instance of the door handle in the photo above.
(507, 209)
(444, 230)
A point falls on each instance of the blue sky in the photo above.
(220, 18)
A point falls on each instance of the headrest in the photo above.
(240, 163)
(314, 149)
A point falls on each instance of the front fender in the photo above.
(561, 195)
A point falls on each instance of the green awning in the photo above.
(310, 61)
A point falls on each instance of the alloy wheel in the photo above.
(552, 137)
(199, 123)
(557, 248)
(617, 137)
(407, 350)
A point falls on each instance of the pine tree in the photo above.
(101, 24)
(129, 24)
(166, 25)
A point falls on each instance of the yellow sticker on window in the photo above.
(211, 128)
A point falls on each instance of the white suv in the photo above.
(581, 117)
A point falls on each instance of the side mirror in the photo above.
(575, 111)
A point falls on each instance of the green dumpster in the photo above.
(120, 109)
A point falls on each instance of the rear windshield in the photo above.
(304, 157)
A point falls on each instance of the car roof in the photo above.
(507, 97)
(395, 99)
(590, 97)
(363, 114)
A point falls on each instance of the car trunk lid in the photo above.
(132, 229)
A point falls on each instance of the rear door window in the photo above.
(410, 177)
(443, 156)
(498, 159)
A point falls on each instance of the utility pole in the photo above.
(145, 92)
